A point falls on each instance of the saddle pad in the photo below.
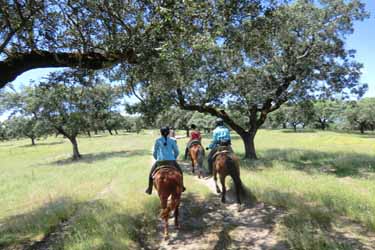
(194, 142)
(161, 167)
(222, 152)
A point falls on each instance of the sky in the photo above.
(362, 40)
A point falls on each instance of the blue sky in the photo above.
(363, 41)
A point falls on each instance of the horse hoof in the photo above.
(218, 191)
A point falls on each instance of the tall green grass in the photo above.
(319, 177)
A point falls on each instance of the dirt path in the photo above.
(211, 225)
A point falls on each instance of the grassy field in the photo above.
(324, 180)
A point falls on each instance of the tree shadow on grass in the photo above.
(341, 164)
(299, 131)
(68, 222)
(101, 156)
(315, 224)
(37, 144)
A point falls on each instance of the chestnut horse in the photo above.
(226, 163)
(168, 183)
(196, 153)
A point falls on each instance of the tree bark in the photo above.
(294, 127)
(76, 154)
(116, 132)
(110, 131)
(187, 132)
(88, 133)
(248, 141)
(16, 64)
(362, 128)
(32, 141)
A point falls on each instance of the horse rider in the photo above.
(220, 137)
(165, 153)
(195, 136)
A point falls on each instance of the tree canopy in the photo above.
(258, 58)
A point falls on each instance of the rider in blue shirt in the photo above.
(165, 152)
(220, 136)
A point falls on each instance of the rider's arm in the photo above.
(214, 140)
(175, 149)
(155, 150)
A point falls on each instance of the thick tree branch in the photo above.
(19, 63)
(210, 110)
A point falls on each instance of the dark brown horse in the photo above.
(226, 163)
(196, 153)
(168, 183)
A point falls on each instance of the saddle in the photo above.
(223, 150)
(194, 142)
(163, 164)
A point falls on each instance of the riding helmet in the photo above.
(219, 122)
(164, 130)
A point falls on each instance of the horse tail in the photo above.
(234, 173)
(175, 198)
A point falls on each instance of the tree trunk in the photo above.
(248, 140)
(110, 131)
(284, 125)
(294, 127)
(32, 141)
(76, 154)
(187, 132)
(88, 133)
(95, 131)
(116, 132)
(362, 128)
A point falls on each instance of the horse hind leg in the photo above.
(222, 181)
(192, 164)
(215, 180)
(165, 214)
(199, 167)
(176, 204)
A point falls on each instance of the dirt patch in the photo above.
(215, 225)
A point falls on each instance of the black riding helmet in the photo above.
(164, 131)
(219, 122)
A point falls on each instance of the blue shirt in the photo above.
(220, 133)
(167, 152)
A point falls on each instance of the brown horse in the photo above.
(168, 183)
(226, 163)
(196, 153)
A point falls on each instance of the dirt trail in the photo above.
(211, 225)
